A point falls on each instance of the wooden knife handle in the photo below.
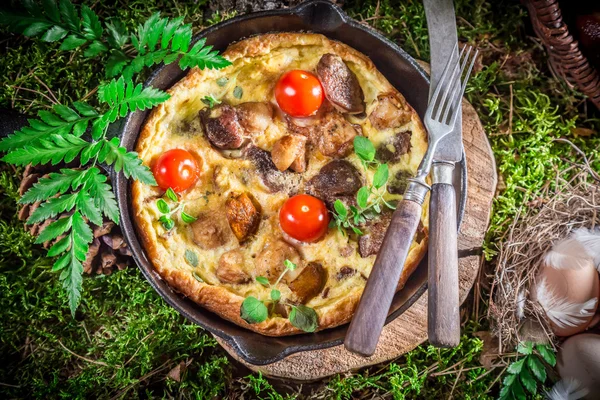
(369, 318)
(443, 318)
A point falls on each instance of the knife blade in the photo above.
(443, 313)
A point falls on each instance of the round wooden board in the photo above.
(410, 329)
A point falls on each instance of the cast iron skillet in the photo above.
(398, 67)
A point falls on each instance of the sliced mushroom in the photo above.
(339, 178)
(390, 112)
(335, 136)
(255, 117)
(341, 85)
(286, 150)
(270, 261)
(222, 127)
(399, 182)
(243, 214)
(274, 179)
(210, 231)
(309, 282)
(344, 273)
(230, 268)
(370, 242)
(396, 146)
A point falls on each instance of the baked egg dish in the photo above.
(277, 178)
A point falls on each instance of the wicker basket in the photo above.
(565, 57)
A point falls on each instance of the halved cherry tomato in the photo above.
(176, 169)
(304, 218)
(299, 93)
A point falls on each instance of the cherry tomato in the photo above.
(304, 218)
(299, 93)
(176, 169)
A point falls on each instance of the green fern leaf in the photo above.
(123, 96)
(55, 183)
(54, 230)
(53, 207)
(129, 162)
(202, 57)
(54, 34)
(88, 208)
(117, 34)
(538, 369)
(62, 122)
(51, 10)
(69, 15)
(102, 194)
(54, 150)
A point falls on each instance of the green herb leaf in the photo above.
(188, 219)
(191, 257)
(517, 390)
(167, 222)
(210, 101)
(340, 209)
(364, 148)
(171, 195)
(536, 366)
(381, 176)
(262, 280)
(305, 318)
(253, 311)
(289, 265)
(222, 81)
(197, 277)
(516, 366)
(546, 353)
(162, 206)
(525, 348)
(362, 197)
(238, 92)
(528, 381)
(275, 295)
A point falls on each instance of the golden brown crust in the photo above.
(219, 299)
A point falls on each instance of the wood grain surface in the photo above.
(443, 316)
(410, 329)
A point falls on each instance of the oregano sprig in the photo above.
(254, 311)
(369, 199)
(156, 40)
(166, 210)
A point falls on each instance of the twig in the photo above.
(48, 89)
(82, 357)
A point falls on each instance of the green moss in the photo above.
(126, 339)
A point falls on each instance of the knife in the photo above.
(443, 318)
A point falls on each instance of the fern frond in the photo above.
(129, 162)
(62, 121)
(102, 194)
(54, 150)
(46, 188)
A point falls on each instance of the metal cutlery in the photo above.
(369, 318)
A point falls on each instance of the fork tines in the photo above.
(451, 87)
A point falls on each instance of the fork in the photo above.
(442, 111)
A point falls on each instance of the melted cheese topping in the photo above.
(176, 125)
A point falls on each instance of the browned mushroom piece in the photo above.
(230, 267)
(255, 117)
(309, 282)
(286, 150)
(335, 136)
(210, 230)
(395, 147)
(341, 85)
(274, 179)
(222, 127)
(370, 242)
(339, 178)
(270, 261)
(299, 164)
(243, 215)
(390, 112)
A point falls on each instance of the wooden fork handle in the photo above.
(443, 319)
(369, 318)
